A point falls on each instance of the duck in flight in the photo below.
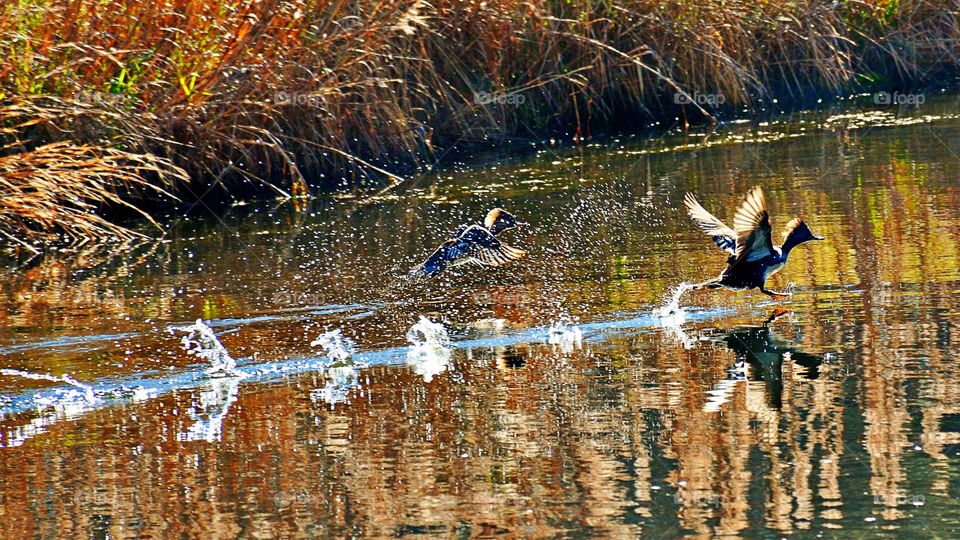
(477, 244)
(752, 256)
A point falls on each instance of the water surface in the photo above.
(832, 414)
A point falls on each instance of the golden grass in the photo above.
(61, 188)
(285, 97)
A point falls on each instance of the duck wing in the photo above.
(723, 236)
(752, 226)
(474, 245)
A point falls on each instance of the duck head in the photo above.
(797, 232)
(499, 220)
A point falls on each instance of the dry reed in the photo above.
(231, 98)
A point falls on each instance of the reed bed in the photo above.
(221, 99)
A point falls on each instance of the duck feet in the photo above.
(776, 294)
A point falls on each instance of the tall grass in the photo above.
(233, 98)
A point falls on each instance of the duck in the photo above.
(475, 243)
(752, 257)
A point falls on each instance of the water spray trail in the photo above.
(87, 390)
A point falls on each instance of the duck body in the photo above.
(477, 244)
(752, 256)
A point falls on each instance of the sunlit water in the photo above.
(582, 391)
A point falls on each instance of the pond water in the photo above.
(552, 401)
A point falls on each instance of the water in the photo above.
(574, 393)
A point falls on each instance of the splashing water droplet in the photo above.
(566, 335)
(430, 351)
(342, 375)
(337, 348)
(200, 341)
(427, 332)
(670, 313)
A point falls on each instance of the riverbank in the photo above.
(141, 106)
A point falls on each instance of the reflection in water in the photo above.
(211, 408)
(760, 355)
(339, 382)
(839, 421)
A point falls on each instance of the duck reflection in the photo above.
(760, 355)
(503, 357)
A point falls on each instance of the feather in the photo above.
(752, 226)
(723, 236)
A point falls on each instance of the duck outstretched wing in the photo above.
(752, 226)
(474, 245)
(723, 236)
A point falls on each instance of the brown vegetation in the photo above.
(229, 98)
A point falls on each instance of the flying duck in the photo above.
(753, 257)
(476, 244)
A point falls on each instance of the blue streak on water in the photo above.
(65, 341)
(101, 339)
(156, 383)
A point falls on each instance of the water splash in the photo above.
(670, 313)
(337, 348)
(51, 407)
(430, 348)
(566, 335)
(86, 391)
(342, 374)
(202, 342)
